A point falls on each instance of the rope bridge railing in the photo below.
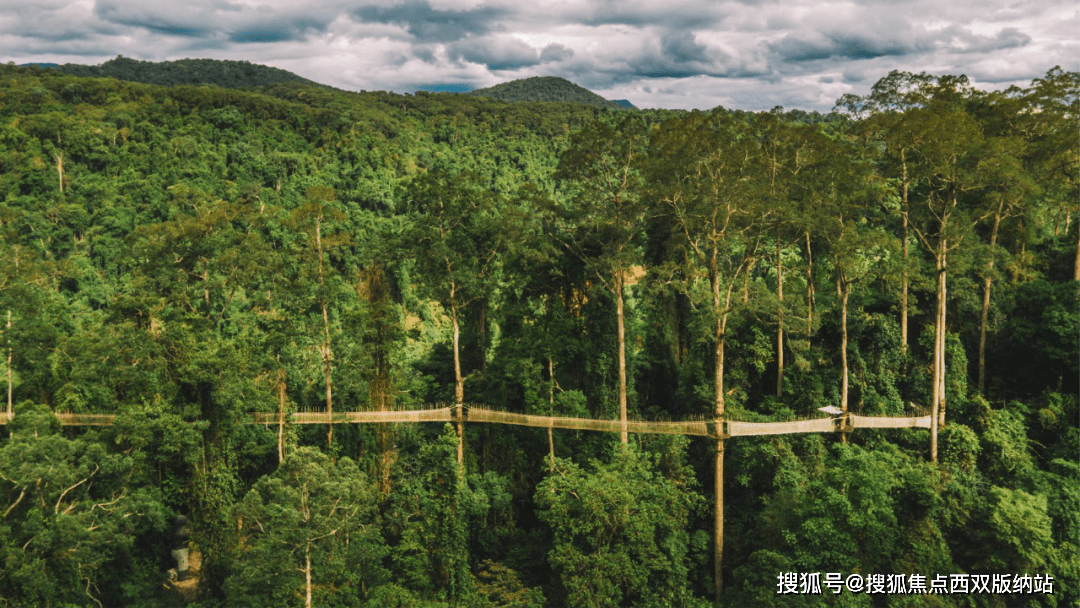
(890, 422)
(817, 425)
(672, 427)
(478, 413)
(441, 414)
(69, 419)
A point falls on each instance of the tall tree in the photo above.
(603, 222)
(1051, 123)
(949, 146)
(784, 152)
(457, 239)
(319, 219)
(704, 173)
(885, 114)
(843, 188)
(1008, 188)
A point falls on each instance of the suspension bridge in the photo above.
(843, 423)
(718, 430)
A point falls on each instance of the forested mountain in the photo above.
(546, 88)
(188, 257)
(220, 72)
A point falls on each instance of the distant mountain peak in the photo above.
(548, 88)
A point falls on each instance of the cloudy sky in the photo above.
(746, 54)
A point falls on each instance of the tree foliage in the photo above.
(182, 256)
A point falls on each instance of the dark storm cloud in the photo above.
(681, 47)
(896, 39)
(647, 14)
(1007, 38)
(428, 24)
(802, 47)
(216, 20)
(555, 52)
(670, 54)
(496, 54)
(193, 22)
(276, 31)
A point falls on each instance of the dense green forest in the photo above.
(546, 88)
(218, 72)
(183, 256)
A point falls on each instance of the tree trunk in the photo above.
(719, 336)
(459, 380)
(938, 397)
(904, 256)
(327, 368)
(809, 288)
(60, 168)
(327, 354)
(780, 322)
(281, 417)
(307, 575)
(9, 380)
(377, 293)
(1076, 267)
(619, 277)
(746, 282)
(551, 403)
(986, 304)
(942, 299)
(718, 530)
(844, 289)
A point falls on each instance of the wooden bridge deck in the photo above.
(471, 414)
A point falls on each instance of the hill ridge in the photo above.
(225, 73)
(546, 88)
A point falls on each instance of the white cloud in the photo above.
(679, 53)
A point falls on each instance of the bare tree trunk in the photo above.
(551, 403)
(719, 336)
(938, 397)
(809, 287)
(986, 305)
(60, 168)
(904, 256)
(327, 354)
(746, 282)
(780, 322)
(307, 575)
(619, 276)
(281, 417)
(718, 529)
(904, 288)
(843, 289)
(9, 380)
(459, 380)
(1076, 267)
(327, 367)
(941, 314)
(376, 292)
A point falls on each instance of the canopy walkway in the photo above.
(483, 414)
(717, 430)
